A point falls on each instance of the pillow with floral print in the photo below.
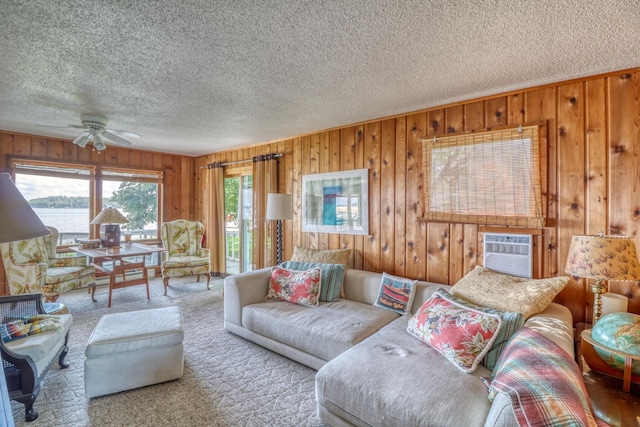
(460, 333)
(296, 286)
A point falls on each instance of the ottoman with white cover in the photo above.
(134, 349)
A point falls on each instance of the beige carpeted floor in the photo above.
(227, 380)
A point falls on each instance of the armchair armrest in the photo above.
(204, 253)
(69, 261)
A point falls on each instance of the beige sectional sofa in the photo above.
(370, 370)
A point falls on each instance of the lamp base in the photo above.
(598, 289)
(111, 235)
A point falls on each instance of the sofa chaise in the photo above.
(370, 370)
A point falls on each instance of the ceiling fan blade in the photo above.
(115, 138)
(124, 133)
(76, 126)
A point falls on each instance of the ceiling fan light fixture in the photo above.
(97, 143)
(82, 139)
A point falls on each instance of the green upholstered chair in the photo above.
(33, 266)
(185, 255)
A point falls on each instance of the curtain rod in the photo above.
(259, 158)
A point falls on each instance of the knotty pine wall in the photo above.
(179, 183)
(593, 168)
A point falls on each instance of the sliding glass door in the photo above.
(238, 189)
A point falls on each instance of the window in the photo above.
(490, 178)
(67, 196)
(135, 195)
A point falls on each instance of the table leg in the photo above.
(92, 289)
(112, 281)
(146, 278)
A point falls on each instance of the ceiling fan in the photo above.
(96, 130)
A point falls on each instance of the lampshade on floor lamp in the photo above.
(17, 220)
(602, 258)
(111, 218)
(279, 208)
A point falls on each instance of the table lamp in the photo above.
(279, 207)
(602, 258)
(17, 220)
(111, 218)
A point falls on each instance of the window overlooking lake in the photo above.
(67, 197)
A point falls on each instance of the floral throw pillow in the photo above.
(460, 333)
(298, 287)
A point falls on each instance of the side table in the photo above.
(610, 402)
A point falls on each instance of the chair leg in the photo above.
(92, 289)
(166, 284)
(208, 280)
(30, 414)
(63, 353)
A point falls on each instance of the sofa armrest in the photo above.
(244, 289)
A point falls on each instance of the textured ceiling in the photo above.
(195, 77)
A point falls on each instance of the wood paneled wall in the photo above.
(592, 144)
(179, 171)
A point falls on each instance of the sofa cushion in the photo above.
(511, 322)
(489, 288)
(459, 332)
(332, 277)
(324, 331)
(323, 256)
(298, 287)
(396, 293)
(391, 379)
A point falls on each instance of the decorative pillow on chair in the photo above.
(488, 288)
(396, 293)
(14, 330)
(460, 333)
(332, 277)
(298, 287)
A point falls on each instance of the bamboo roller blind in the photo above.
(489, 178)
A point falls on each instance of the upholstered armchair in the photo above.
(33, 266)
(185, 255)
(34, 342)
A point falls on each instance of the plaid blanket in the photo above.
(543, 382)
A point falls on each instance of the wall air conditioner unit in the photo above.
(509, 253)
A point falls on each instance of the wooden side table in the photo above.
(610, 402)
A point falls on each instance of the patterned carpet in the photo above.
(227, 380)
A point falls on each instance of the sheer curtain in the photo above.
(265, 181)
(215, 228)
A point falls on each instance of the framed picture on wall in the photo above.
(336, 202)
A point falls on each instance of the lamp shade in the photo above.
(603, 257)
(17, 220)
(279, 206)
(109, 216)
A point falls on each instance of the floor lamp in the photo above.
(279, 208)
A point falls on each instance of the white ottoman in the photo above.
(134, 349)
